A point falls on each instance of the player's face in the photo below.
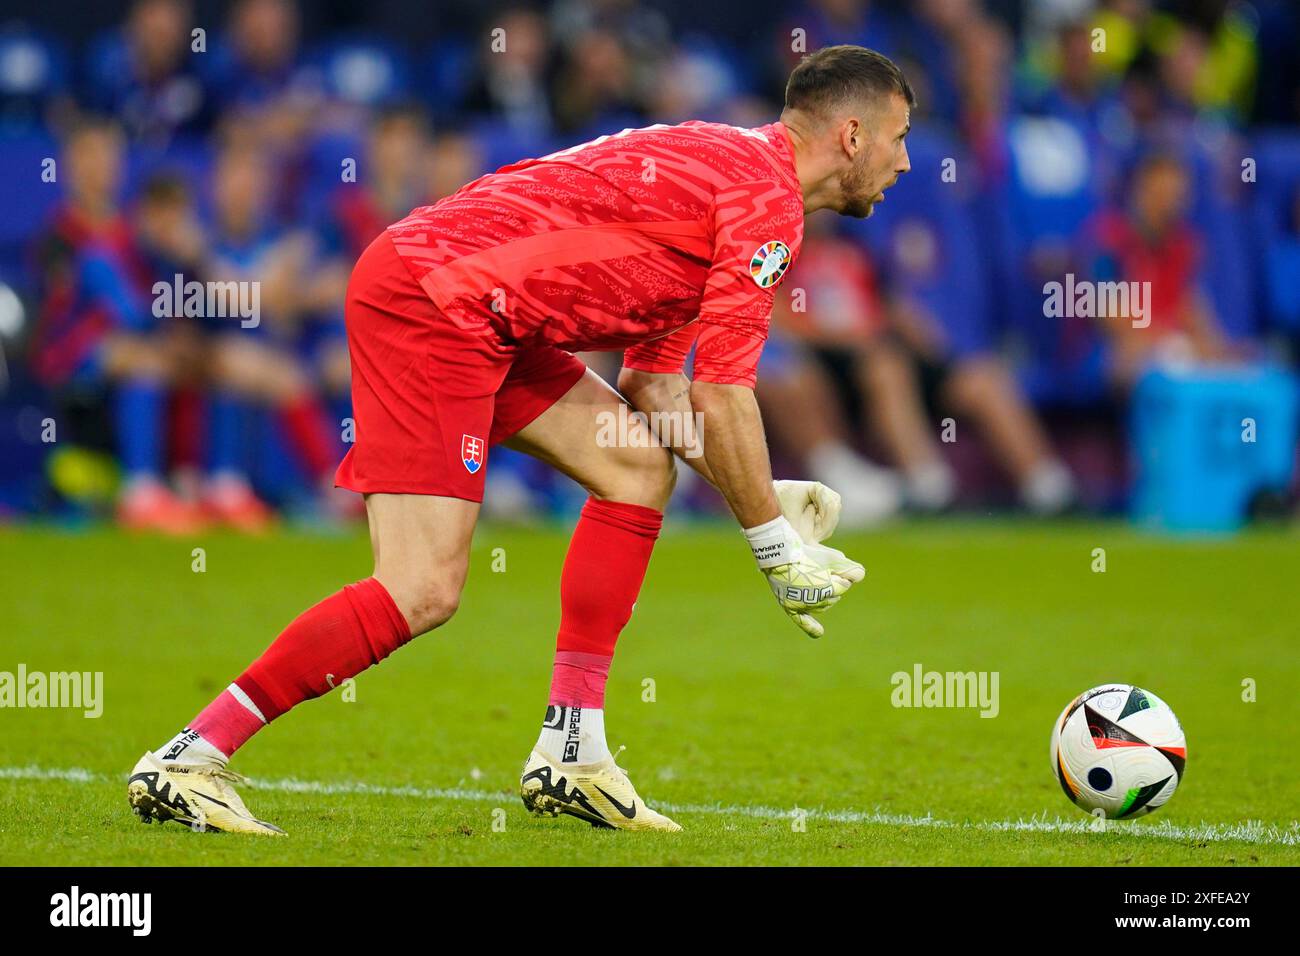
(879, 163)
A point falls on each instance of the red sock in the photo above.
(602, 576)
(304, 418)
(326, 644)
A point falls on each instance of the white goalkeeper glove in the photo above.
(806, 578)
(810, 507)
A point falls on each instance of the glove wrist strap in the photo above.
(774, 543)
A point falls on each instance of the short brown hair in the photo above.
(837, 74)
(165, 189)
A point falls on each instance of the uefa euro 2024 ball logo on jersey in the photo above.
(769, 262)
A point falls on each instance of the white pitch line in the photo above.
(1249, 831)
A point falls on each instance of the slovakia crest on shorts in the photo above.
(769, 262)
(471, 453)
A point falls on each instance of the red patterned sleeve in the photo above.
(758, 227)
(666, 354)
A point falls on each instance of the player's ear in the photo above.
(851, 137)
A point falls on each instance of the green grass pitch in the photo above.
(732, 718)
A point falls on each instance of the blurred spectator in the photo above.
(827, 22)
(963, 52)
(455, 159)
(834, 309)
(975, 387)
(1043, 144)
(391, 183)
(145, 76)
(1152, 241)
(644, 30)
(1209, 55)
(1123, 24)
(640, 32)
(594, 86)
(695, 83)
(1069, 81)
(802, 414)
(260, 77)
(981, 46)
(511, 82)
(898, 356)
(260, 364)
(97, 331)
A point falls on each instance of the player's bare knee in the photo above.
(972, 383)
(426, 604)
(886, 368)
(433, 606)
(645, 476)
(669, 481)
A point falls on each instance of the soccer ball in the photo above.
(1118, 749)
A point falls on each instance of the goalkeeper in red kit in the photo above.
(462, 322)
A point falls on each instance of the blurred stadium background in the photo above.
(1164, 148)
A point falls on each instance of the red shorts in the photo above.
(430, 395)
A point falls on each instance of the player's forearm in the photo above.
(736, 451)
(657, 393)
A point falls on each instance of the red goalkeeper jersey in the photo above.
(650, 240)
